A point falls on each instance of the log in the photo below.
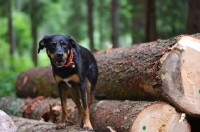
(36, 82)
(122, 116)
(39, 108)
(140, 116)
(29, 125)
(6, 123)
(150, 71)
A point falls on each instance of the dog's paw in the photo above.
(88, 127)
(60, 126)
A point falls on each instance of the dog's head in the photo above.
(58, 48)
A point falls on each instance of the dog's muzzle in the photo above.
(59, 59)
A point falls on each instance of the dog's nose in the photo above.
(59, 55)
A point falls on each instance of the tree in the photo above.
(100, 9)
(171, 18)
(115, 23)
(149, 20)
(193, 18)
(136, 17)
(90, 23)
(37, 11)
(6, 11)
(11, 29)
(33, 16)
(77, 17)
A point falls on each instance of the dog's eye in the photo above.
(63, 44)
(53, 45)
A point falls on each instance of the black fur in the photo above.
(85, 63)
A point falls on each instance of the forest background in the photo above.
(93, 24)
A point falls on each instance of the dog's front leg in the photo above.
(86, 114)
(63, 98)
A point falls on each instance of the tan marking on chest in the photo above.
(73, 78)
(58, 79)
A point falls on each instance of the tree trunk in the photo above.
(34, 36)
(136, 22)
(33, 4)
(121, 116)
(90, 23)
(101, 23)
(115, 23)
(19, 5)
(150, 71)
(11, 29)
(193, 18)
(150, 20)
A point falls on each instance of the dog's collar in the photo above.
(70, 62)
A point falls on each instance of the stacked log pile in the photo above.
(121, 116)
(164, 70)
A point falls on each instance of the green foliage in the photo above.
(10, 69)
(23, 38)
(171, 18)
(3, 57)
(7, 79)
(11, 66)
(69, 17)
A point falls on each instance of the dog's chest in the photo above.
(73, 78)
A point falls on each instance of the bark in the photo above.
(154, 71)
(115, 23)
(34, 83)
(193, 18)
(6, 123)
(121, 116)
(90, 23)
(39, 108)
(150, 71)
(29, 125)
(149, 20)
(124, 116)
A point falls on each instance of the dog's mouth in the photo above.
(59, 62)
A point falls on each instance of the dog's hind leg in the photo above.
(92, 76)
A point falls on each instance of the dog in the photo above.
(75, 67)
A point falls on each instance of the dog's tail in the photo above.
(100, 96)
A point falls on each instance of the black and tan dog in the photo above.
(73, 66)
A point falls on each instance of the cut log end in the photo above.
(159, 117)
(137, 116)
(181, 74)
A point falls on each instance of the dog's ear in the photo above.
(42, 43)
(72, 41)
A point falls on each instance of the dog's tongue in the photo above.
(59, 61)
